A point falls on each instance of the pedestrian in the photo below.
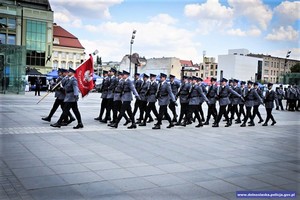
(143, 98)
(280, 97)
(38, 85)
(174, 87)
(110, 93)
(249, 95)
(241, 105)
(151, 100)
(184, 100)
(70, 100)
(60, 96)
(137, 84)
(211, 95)
(126, 98)
(257, 103)
(164, 94)
(104, 92)
(235, 100)
(269, 99)
(199, 82)
(223, 93)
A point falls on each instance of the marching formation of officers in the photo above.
(237, 100)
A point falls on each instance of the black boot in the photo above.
(156, 127)
(243, 124)
(238, 121)
(265, 124)
(79, 125)
(251, 124)
(273, 123)
(70, 121)
(142, 124)
(228, 124)
(115, 125)
(215, 125)
(150, 120)
(170, 125)
(48, 119)
(57, 125)
(199, 125)
(97, 118)
(127, 122)
(260, 121)
(206, 123)
(174, 119)
(133, 125)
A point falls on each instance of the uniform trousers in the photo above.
(126, 107)
(194, 109)
(184, 110)
(103, 107)
(163, 111)
(143, 106)
(56, 104)
(234, 110)
(269, 115)
(201, 111)
(248, 114)
(172, 107)
(241, 111)
(222, 111)
(256, 112)
(116, 109)
(212, 111)
(280, 104)
(136, 106)
(150, 107)
(109, 108)
(66, 110)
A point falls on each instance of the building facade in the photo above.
(274, 68)
(67, 49)
(189, 69)
(236, 64)
(209, 68)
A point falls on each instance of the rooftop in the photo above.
(64, 38)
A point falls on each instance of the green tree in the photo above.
(295, 68)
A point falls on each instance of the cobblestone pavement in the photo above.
(97, 162)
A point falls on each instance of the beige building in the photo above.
(189, 69)
(67, 49)
(273, 68)
(28, 23)
(209, 68)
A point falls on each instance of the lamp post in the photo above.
(285, 64)
(131, 43)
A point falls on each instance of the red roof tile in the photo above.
(188, 63)
(66, 39)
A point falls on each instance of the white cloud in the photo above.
(86, 8)
(210, 15)
(153, 39)
(254, 10)
(238, 32)
(288, 12)
(164, 18)
(283, 34)
(64, 18)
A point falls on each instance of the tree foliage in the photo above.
(295, 68)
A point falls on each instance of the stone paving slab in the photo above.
(98, 162)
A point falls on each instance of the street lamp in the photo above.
(131, 43)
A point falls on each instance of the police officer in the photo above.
(126, 98)
(104, 91)
(143, 95)
(235, 100)
(211, 95)
(280, 97)
(249, 96)
(292, 96)
(71, 98)
(60, 96)
(223, 93)
(241, 105)
(164, 94)
(113, 81)
(269, 99)
(137, 84)
(184, 100)
(174, 87)
(151, 100)
(195, 93)
(229, 107)
(257, 103)
(199, 82)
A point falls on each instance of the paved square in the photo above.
(97, 162)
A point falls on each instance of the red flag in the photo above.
(84, 75)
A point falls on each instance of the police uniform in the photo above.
(174, 87)
(223, 93)
(269, 99)
(164, 94)
(151, 100)
(201, 98)
(59, 93)
(143, 95)
(110, 93)
(104, 92)
(137, 84)
(70, 100)
(183, 99)
(241, 105)
(280, 96)
(195, 95)
(126, 98)
(211, 95)
(257, 103)
(249, 96)
(235, 100)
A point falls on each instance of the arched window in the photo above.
(70, 64)
(55, 65)
(63, 64)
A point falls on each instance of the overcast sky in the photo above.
(179, 28)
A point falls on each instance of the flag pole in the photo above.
(49, 92)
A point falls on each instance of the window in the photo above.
(216, 73)
(201, 75)
(77, 64)
(71, 55)
(2, 38)
(77, 56)
(266, 63)
(202, 67)
(211, 66)
(206, 67)
(35, 43)
(63, 55)
(55, 64)
(266, 71)
(63, 64)
(211, 73)
(196, 74)
(55, 54)
(216, 66)
(70, 64)
(11, 39)
(11, 23)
